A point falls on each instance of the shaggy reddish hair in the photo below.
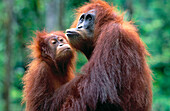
(116, 77)
(44, 75)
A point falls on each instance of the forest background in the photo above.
(19, 19)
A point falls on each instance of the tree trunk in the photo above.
(8, 50)
(54, 15)
(60, 15)
(129, 6)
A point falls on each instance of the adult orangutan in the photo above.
(52, 66)
(116, 77)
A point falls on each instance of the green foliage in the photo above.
(81, 60)
(151, 17)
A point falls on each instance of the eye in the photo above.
(81, 18)
(53, 41)
(89, 17)
(61, 39)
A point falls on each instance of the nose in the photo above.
(61, 44)
(80, 26)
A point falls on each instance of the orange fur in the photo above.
(43, 78)
(116, 77)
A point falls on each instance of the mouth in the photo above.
(64, 54)
(64, 49)
(71, 33)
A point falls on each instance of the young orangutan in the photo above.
(52, 66)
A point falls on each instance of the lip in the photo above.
(63, 48)
(71, 33)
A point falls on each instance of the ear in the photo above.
(40, 36)
(36, 45)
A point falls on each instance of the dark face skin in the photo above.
(57, 48)
(81, 37)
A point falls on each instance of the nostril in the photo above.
(60, 44)
(79, 27)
